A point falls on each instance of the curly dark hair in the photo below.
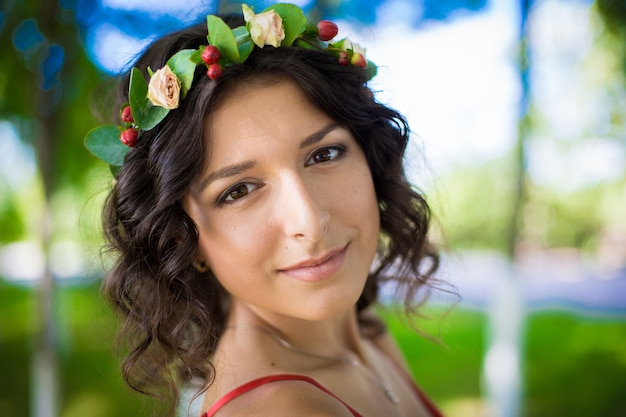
(173, 316)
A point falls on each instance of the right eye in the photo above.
(236, 192)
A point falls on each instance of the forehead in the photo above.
(255, 115)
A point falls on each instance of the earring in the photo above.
(201, 266)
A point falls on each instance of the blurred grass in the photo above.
(574, 365)
(90, 382)
(446, 363)
(16, 329)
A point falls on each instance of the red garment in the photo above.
(249, 386)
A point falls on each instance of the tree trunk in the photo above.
(45, 391)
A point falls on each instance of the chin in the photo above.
(335, 304)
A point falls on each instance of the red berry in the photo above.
(127, 116)
(358, 60)
(327, 30)
(214, 71)
(343, 58)
(129, 137)
(211, 55)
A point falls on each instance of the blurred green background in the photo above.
(533, 223)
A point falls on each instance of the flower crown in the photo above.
(149, 102)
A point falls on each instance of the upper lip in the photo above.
(310, 262)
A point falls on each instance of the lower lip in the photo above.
(318, 272)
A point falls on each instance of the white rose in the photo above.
(265, 28)
(164, 88)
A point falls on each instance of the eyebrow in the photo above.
(319, 135)
(226, 172)
(236, 169)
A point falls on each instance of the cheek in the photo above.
(371, 210)
(370, 214)
(232, 244)
(223, 238)
(360, 200)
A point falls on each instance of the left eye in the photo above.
(325, 155)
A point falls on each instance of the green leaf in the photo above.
(371, 69)
(294, 22)
(114, 170)
(311, 30)
(146, 115)
(137, 95)
(182, 65)
(196, 57)
(343, 45)
(309, 43)
(153, 115)
(221, 36)
(104, 143)
(244, 42)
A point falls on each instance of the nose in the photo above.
(302, 209)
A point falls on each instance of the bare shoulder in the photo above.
(285, 399)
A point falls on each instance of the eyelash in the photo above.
(224, 197)
(340, 149)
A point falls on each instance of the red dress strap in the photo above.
(249, 386)
(432, 408)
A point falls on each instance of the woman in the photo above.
(261, 205)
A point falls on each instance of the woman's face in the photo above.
(285, 208)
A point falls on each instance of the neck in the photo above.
(337, 336)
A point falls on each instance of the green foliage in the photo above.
(221, 36)
(90, 380)
(53, 116)
(182, 65)
(90, 373)
(474, 205)
(574, 366)
(17, 327)
(614, 14)
(448, 366)
(51, 111)
(574, 218)
(11, 222)
(146, 115)
(612, 42)
(103, 142)
(235, 45)
(244, 42)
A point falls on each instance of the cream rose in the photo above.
(164, 88)
(265, 28)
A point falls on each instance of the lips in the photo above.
(317, 269)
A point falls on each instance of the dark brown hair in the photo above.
(173, 316)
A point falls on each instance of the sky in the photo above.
(456, 83)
